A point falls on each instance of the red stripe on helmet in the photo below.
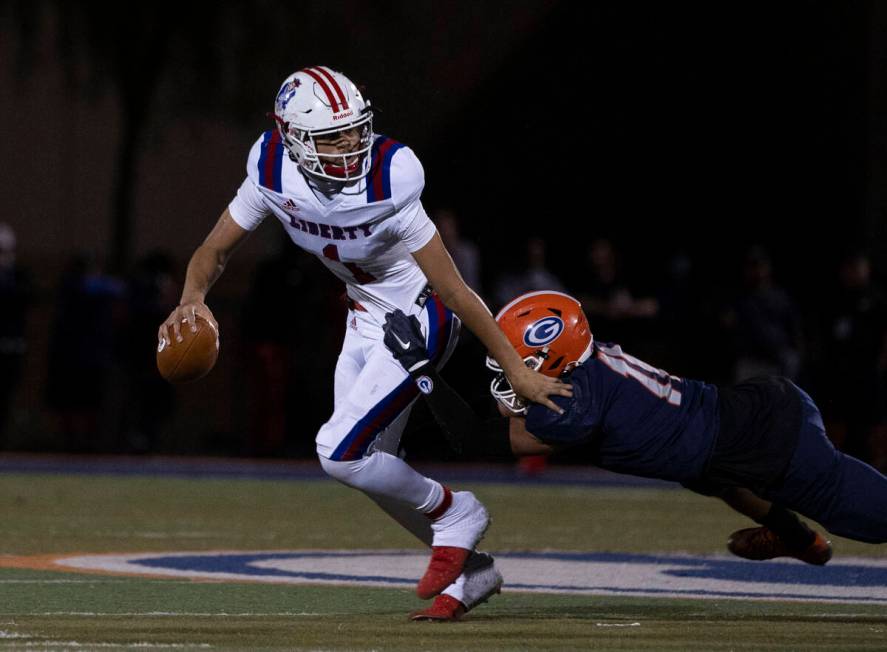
(332, 80)
(326, 89)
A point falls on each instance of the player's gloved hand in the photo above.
(403, 337)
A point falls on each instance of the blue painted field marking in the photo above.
(860, 580)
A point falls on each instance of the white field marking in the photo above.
(120, 580)
(5, 634)
(152, 534)
(164, 614)
(90, 646)
(63, 582)
(663, 576)
(617, 624)
(178, 535)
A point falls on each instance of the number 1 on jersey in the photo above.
(331, 251)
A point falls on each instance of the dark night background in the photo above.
(691, 130)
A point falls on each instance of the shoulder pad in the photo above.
(395, 173)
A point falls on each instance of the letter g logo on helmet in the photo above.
(544, 331)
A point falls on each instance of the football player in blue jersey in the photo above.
(759, 445)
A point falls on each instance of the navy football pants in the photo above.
(845, 495)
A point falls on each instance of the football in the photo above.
(193, 357)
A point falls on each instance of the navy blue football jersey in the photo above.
(639, 419)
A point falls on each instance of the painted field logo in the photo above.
(860, 580)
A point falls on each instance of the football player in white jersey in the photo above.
(352, 198)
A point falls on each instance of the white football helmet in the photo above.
(316, 101)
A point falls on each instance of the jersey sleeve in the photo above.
(414, 228)
(574, 426)
(553, 428)
(249, 208)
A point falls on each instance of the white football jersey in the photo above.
(365, 236)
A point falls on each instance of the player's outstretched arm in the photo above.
(438, 267)
(464, 431)
(206, 265)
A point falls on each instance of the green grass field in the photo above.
(93, 514)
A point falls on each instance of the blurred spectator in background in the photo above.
(531, 275)
(82, 350)
(15, 294)
(679, 317)
(610, 304)
(272, 325)
(464, 252)
(152, 293)
(764, 323)
(852, 361)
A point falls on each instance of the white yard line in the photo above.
(91, 645)
(154, 614)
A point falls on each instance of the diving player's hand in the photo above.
(185, 313)
(403, 337)
(533, 386)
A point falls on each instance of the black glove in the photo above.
(403, 337)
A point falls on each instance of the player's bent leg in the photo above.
(385, 475)
(458, 520)
(857, 508)
(781, 533)
(845, 495)
(362, 422)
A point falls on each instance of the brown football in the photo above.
(193, 357)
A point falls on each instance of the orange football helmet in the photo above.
(549, 331)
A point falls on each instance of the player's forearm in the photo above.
(474, 314)
(465, 431)
(204, 269)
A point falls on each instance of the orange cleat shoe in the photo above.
(760, 543)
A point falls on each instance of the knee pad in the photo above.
(343, 471)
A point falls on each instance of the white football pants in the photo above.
(373, 395)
